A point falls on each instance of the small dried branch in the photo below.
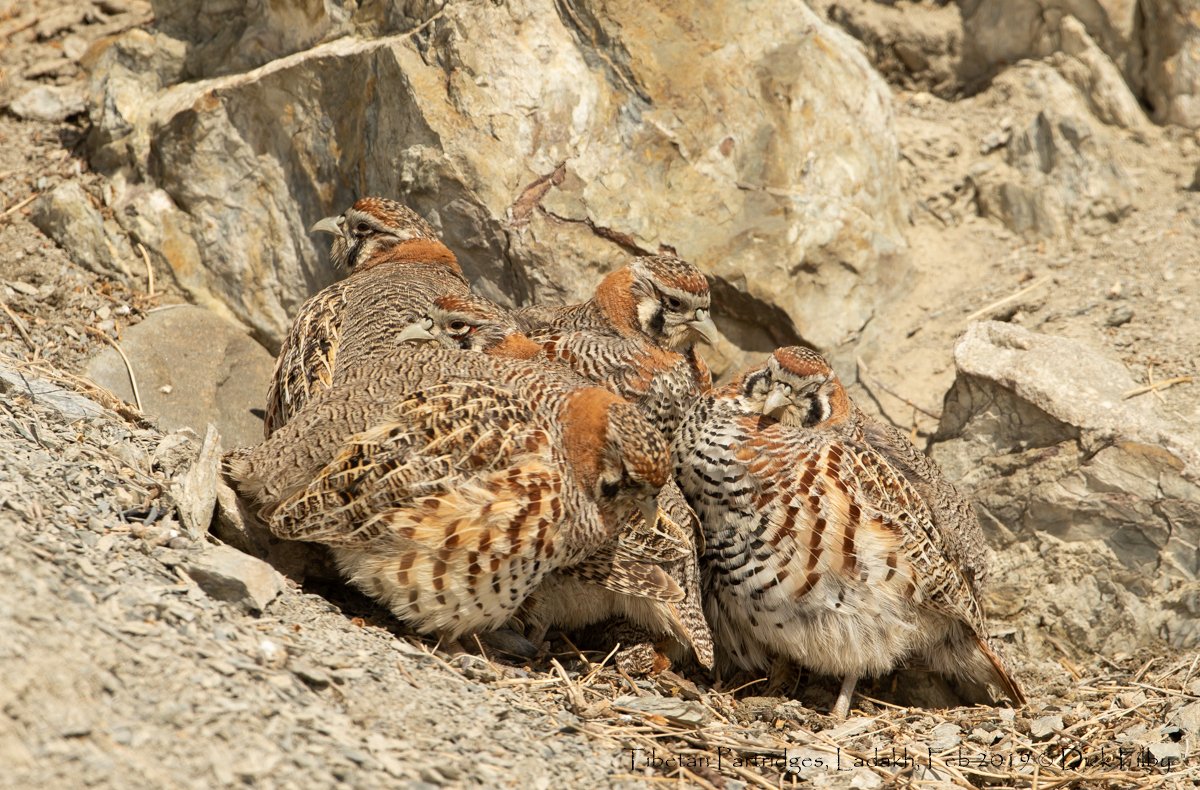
(981, 312)
(137, 396)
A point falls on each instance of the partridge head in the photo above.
(616, 454)
(375, 230)
(660, 296)
(471, 323)
(797, 387)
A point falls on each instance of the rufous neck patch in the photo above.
(417, 251)
(585, 429)
(516, 346)
(614, 295)
(839, 403)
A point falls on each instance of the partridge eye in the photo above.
(674, 303)
(458, 326)
(361, 227)
(608, 489)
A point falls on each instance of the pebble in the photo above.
(1044, 726)
(1166, 751)
(945, 736)
(670, 708)
(49, 103)
(271, 654)
(1119, 316)
(310, 674)
(224, 667)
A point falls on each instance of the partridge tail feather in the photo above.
(628, 577)
(1002, 678)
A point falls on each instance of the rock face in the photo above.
(67, 215)
(1058, 172)
(1038, 428)
(1154, 44)
(545, 140)
(1173, 60)
(192, 368)
(1001, 32)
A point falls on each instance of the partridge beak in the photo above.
(417, 330)
(327, 225)
(649, 510)
(703, 326)
(777, 401)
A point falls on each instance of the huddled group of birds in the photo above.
(473, 467)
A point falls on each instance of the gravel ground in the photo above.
(118, 670)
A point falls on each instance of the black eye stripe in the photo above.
(752, 382)
(658, 320)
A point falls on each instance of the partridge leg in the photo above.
(778, 676)
(842, 706)
(639, 655)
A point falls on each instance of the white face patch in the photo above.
(646, 309)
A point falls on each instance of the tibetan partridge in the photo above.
(395, 266)
(643, 572)
(637, 336)
(450, 487)
(818, 548)
(803, 390)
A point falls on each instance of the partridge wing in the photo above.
(306, 361)
(431, 443)
(890, 496)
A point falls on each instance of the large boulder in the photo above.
(192, 368)
(1172, 82)
(545, 140)
(998, 33)
(1057, 173)
(1080, 486)
(1154, 44)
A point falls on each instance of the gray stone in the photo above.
(1119, 316)
(195, 491)
(229, 575)
(945, 736)
(1059, 173)
(71, 405)
(1188, 719)
(192, 368)
(1154, 46)
(225, 38)
(67, 215)
(997, 33)
(1045, 726)
(1167, 753)
(1172, 69)
(770, 162)
(241, 528)
(673, 709)
(50, 103)
(1097, 78)
(1101, 490)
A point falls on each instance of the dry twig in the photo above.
(18, 206)
(19, 324)
(137, 397)
(1156, 386)
(1010, 298)
(149, 269)
(865, 372)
